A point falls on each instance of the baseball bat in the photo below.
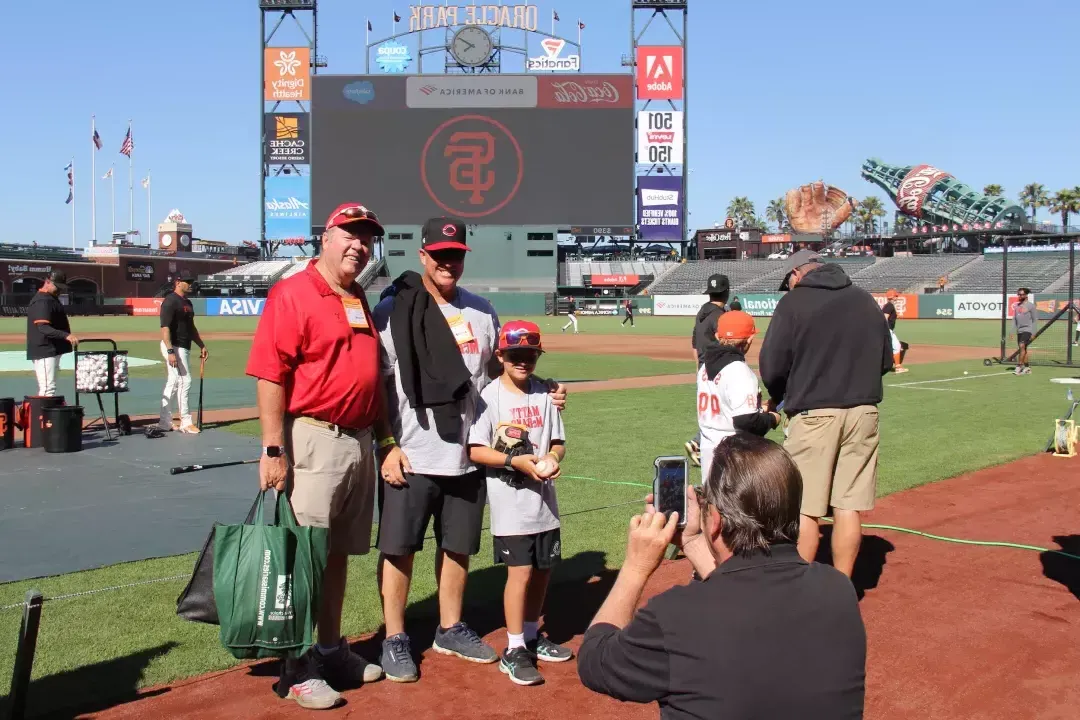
(202, 371)
(195, 468)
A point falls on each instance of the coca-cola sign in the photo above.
(586, 91)
(915, 187)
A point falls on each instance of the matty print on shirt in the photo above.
(529, 416)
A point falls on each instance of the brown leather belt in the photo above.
(341, 430)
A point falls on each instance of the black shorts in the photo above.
(541, 550)
(1023, 338)
(456, 503)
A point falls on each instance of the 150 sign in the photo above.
(660, 137)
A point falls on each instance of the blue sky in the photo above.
(782, 92)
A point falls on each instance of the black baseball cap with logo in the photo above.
(59, 279)
(718, 284)
(443, 233)
(185, 276)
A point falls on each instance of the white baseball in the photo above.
(965, 372)
(545, 467)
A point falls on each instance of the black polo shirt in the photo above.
(766, 636)
(47, 327)
(178, 314)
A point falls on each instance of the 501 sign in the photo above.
(660, 137)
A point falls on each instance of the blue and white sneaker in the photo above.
(397, 660)
(548, 651)
(462, 641)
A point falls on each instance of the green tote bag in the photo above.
(268, 583)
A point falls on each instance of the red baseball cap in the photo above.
(520, 334)
(443, 233)
(349, 213)
(735, 325)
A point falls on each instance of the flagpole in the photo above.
(579, 35)
(131, 183)
(553, 23)
(112, 196)
(93, 182)
(72, 202)
(149, 228)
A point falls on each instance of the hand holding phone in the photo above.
(669, 486)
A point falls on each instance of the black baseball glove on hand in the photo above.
(513, 440)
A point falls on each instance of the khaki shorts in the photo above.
(837, 454)
(332, 483)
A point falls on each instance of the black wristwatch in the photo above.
(274, 451)
(509, 464)
(172, 351)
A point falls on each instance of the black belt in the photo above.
(340, 429)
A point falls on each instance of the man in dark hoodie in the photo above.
(421, 319)
(704, 337)
(825, 352)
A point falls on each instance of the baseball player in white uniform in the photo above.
(728, 396)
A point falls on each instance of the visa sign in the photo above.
(235, 306)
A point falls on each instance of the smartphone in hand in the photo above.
(669, 485)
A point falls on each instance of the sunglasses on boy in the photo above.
(522, 338)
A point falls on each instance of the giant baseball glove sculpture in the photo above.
(811, 207)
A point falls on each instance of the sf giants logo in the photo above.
(458, 166)
(467, 173)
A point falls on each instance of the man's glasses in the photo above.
(522, 338)
(356, 212)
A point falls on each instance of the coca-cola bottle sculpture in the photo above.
(934, 197)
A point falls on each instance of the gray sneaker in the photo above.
(520, 665)
(397, 660)
(462, 641)
(546, 650)
(344, 669)
(300, 681)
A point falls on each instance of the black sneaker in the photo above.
(397, 660)
(520, 665)
(546, 650)
(462, 641)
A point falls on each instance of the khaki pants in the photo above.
(837, 454)
(332, 483)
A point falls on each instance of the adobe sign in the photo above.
(659, 72)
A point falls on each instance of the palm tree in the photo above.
(742, 210)
(1034, 196)
(901, 223)
(1065, 202)
(993, 190)
(869, 209)
(777, 212)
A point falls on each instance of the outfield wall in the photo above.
(938, 306)
(506, 304)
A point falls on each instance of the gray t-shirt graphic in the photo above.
(533, 507)
(476, 325)
(1024, 316)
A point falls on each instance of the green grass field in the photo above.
(936, 423)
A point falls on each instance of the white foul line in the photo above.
(962, 377)
(910, 387)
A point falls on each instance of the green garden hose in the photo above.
(931, 536)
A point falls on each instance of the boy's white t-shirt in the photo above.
(733, 392)
(532, 508)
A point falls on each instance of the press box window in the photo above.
(540, 253)
(400, 236)
(540, 236)
(397, 253)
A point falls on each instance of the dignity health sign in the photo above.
(659, 215)
(287, 208)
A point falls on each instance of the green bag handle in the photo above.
(283, 511)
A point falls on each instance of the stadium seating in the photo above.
(745, 276)
(1035, 270)
(573, 273)
(909, 274)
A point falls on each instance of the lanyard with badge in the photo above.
(354, 313)
(461, 330)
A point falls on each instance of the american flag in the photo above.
(97, 140)
(128, 145)
(71, 183)
(555, 15)
(580, 25)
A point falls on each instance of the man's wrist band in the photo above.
(387, 442)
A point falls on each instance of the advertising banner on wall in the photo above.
(552, 59)
(393, 57)
(286, 137)
(760, 304)
(627, 280)
(144, 306)
(287, 74)
(987, 306)
(235, 306)
(139, 271)
(288, 207)
(660, 137)
(660, 72)
(678, 304)
(659, 215)
(907, 306)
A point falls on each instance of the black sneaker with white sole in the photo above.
(520, 665)
(548, 651)
(461, 640)
(397, 660)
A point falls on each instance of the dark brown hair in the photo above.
(757, 489)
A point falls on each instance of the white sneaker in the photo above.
(189, 429)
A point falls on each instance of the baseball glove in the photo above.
(514, 441)
(811, 207)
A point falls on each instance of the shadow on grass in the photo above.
(870, 563)
(579, 585)
(91, 688)
(1063, 569)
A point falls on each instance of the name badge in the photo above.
(354, 313)
(460, 328)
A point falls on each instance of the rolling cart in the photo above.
(116, 382)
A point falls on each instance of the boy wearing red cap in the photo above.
(728, 397)
(518, 435)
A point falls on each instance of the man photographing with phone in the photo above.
(737, 643)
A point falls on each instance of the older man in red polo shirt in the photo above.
(316, 359)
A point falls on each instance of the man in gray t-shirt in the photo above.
(429, 474)
(1024, 317)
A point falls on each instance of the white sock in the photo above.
(514, 641)
(532, 629)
